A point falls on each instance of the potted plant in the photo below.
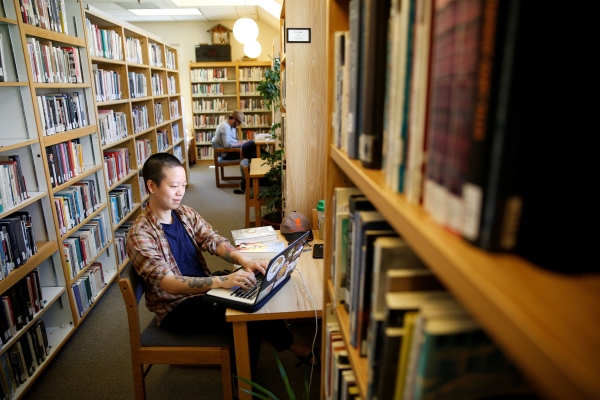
(270, 90)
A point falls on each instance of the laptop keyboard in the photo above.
(253, 291)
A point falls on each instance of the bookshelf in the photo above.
(140, 73)
(28, 89)
(218, 88)
(545, 322)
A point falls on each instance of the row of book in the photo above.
(60, 112)
(205, 153)
(174, 109)
(107, 84)
(13, 189)
(171, 85)
(140, 118)
(155, 55)
(121, 202)
(112, 126)
(143, 149)
(76, 203)
(17, 239)
(178, 152)
(176, 133)
(171, 59)
(85, 244)
(252, 104)
(103, 43)
(54, 64)
(46, 14)
(20, 303)
(204, 136)
(209, 74)
(116, 164)
(257, 119)
(157, 85)
(20, 361)
(159, 117)
(437, 105)
(133, 50)
(249, 88)
(85, 290)
(210, 105)
(204, 89)
(162, 140)
(253, 73)
(65, 161)
(138, 86)
(120, 237)
(208, 121)
(419, 342)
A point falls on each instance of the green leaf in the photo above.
(285, 378)
(256, 386)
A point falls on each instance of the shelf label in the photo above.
(298, 35)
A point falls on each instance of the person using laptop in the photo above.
(166, 245)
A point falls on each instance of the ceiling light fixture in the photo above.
(165, 11)
(252, 49)
(245, 30)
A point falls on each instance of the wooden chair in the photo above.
(157, 346)
(220, 165)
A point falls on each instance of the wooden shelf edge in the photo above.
(359, 364)
(541, 319)
(45, 250)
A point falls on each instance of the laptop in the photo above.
(277, 275)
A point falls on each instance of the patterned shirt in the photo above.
(149, 252)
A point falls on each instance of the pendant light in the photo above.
(252, 49)
(245, 30)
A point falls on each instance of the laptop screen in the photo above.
(282, 266)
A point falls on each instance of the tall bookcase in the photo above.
(547, 323)
(26, 135)
(219, 88)
(137, 83)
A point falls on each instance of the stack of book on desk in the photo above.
(258, 243)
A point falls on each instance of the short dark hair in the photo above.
(155, 165)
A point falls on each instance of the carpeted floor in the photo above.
(95, 363)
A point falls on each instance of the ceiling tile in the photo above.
(156, 18)
(189, 18)
(219, 13)
(105, 6)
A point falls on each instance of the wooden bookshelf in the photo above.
(24, 135)
(545, 322)
(159, 65)
(231, 94)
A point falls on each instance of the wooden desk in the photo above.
(261, 142)
(258, 169)
(289, 303)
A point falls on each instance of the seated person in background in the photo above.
(165, 245)
(226, 137)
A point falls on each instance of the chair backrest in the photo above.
(132, 289)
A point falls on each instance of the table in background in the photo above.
(261, 142)
(290, 302)
(258, 169)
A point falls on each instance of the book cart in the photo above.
(137, 85)
(545, 322)
(218, 88)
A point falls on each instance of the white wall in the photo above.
(185, 35)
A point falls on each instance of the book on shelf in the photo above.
(3, 71)
(261, 250)
(356, 203)
(356, 68)
(340, 247)
(363, 222)
(250, 235)
(375, 16)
